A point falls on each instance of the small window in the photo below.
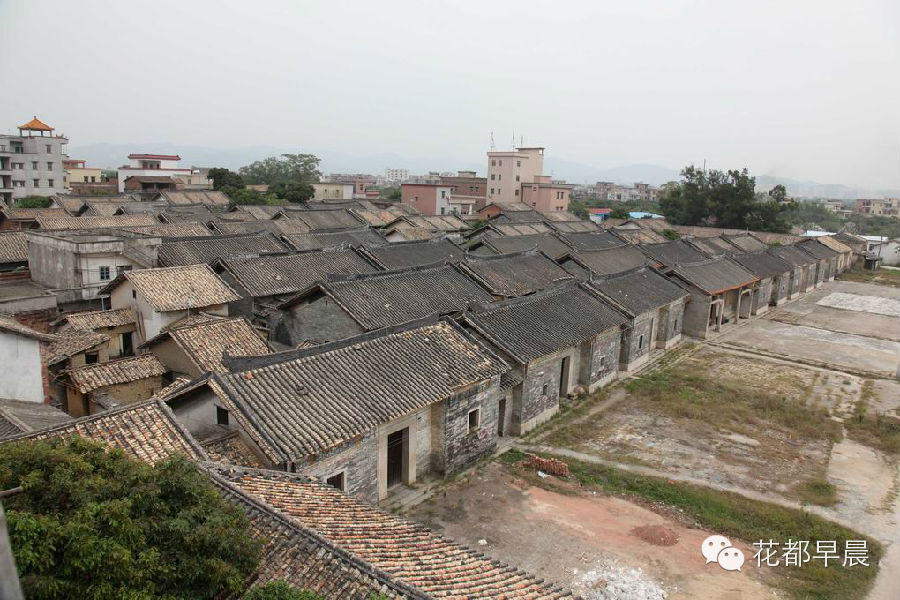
(493, 163)
(544, 390)
(50, 182)
(34, 166)
(499, 176)
(49, 148)
(675, 325)
(221, 416)
(37, 182)
(641, 342)
(91, 358)
(517, 178)
(104, 273)
(474, 419)
(134, 294)
(443, 210)
(49, 166)
(336, 481)
(518, 163)
(122, 268)
(517, 192)
(492, 191)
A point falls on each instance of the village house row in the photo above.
(361, 345)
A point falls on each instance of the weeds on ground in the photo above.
(878, 277)
(878, 431)
(735, 516)
(726, 404)
(817, 491)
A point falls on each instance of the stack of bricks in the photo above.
(548, 465)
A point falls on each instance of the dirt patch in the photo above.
(657, 535)
(585, 542)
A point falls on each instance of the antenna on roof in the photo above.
(492, 141)
(521, 140)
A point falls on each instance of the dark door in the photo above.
(127, 347)
(501, 416)
(564, 378)
(396, 449)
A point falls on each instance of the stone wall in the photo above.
(358, 460)
(637, 340)
(696, 314)
(671, 322)
(604, 358)
(322, 319)
(464, 447)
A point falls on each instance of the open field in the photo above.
(799, 408)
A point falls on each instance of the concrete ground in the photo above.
(827, 349)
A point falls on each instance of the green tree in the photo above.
(298, 168)
(223, 179)
(279, 590)
(390, 193)
(619, 212)
(724, 199)
(33, 202)
(292, 191)
(92, 523)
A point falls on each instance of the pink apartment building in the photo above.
(507, 171)
(433, 199)
(546, 195)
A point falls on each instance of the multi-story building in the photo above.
(545, 195)
(78, 173)
(879, 206)
(360, 181)
(333, 191)
(31, 163)
(432, 199)
(465, 184)
(162, 165)
(508, 170)
(396, 175)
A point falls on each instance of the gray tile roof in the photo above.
(205, 343)
(816, 249)
(327, 219)
(714, 275)
(303, 403)
(518, 216)
(211, 249)
(13, 247)
(400, 255)
(177, 288)
(291, 273)
(745, 242)
(394, 297)
(639, 290)
(205, 197)
(712, 246)
(541, 324)
(70, 342)
(333, 239)
(92, 377)
(574, 226)
(518, 274)
(592, 241)
(671, 253)
(763, 263)
(611, 260)
(547, 243)
(17, 416)
(793, 255)
(10, 325)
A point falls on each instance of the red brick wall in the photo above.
(39, 320)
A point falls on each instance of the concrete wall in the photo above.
(35, 151)
(21, 372)
(173, 357)
(320, 319)
(696, 314)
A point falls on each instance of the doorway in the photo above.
(564, 377)
(397, 445)
(127, 344)
(501, 416)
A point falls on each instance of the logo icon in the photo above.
(718, 549)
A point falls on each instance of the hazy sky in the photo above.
(805, 89)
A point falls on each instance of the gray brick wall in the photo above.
(321, 319)
(464, 447)
(359, 462)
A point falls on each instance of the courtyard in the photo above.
(797, 409)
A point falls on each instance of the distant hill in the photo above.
(113, 155)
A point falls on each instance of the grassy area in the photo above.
(879, 277)
(690, 393)
(878, 430)
(817, 491)
(732, 515)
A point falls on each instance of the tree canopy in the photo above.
(292, 191)
(725, 199)
(297, 168)
(279, 590)
(92, 523)
(33, 202)
(225, 180)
